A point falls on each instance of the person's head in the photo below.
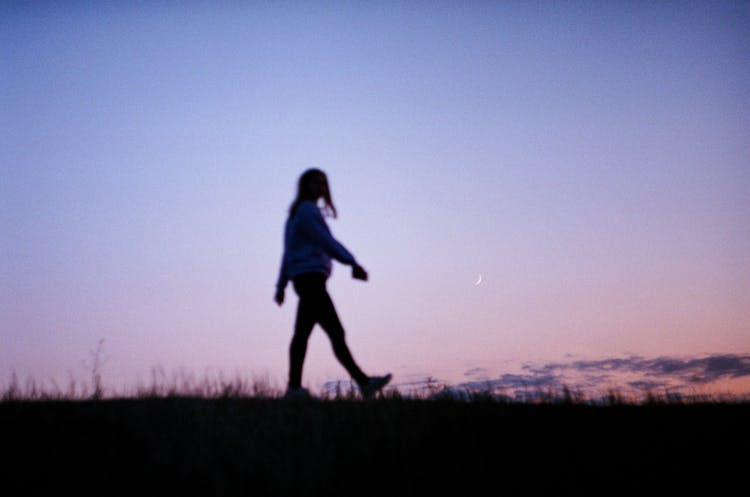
(312, 186)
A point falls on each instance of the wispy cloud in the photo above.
(635, 373)
(516, 382)
(646, 385)
(476, 372)
(690, 370)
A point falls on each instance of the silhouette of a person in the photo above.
(309, 247)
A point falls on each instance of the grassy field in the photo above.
(389, 446)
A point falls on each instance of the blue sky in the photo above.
(590, 161)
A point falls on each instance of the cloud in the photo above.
(629, 375)
(646, 385)
(692, 370)
(476, 372)
(728, 365)
(633, 372)
(513, 381)
(518, 386)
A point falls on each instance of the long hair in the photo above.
(312, 185)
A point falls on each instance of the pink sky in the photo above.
(590, 163)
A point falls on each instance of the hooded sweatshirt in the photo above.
(309, 245)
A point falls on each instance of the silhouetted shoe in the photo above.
(297, 394)
(374, 385)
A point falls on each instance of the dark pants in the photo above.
(316, 306)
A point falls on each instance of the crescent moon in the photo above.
(479, 280)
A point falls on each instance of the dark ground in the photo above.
(182, 446)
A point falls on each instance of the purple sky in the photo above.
(589, 161)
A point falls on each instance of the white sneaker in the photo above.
(297, 394)
(374, 385)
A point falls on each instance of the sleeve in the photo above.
(283, 277)
(314, 226)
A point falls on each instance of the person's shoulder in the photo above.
(308, 207)
(308, 212)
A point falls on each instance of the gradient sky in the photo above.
(590, 161)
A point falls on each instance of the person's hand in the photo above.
(279, 297)
(359, 273)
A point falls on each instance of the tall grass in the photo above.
(183, 384)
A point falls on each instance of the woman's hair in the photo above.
(309, 188)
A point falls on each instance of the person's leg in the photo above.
(329, 321)
(303, 326)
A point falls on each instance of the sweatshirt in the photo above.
(309, 245)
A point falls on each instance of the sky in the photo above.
(588, 160)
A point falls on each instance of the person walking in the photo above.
(309, 247)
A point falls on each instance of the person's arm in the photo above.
(281, 282)
(283, 278)
(313, 224)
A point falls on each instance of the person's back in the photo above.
(309, 245)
